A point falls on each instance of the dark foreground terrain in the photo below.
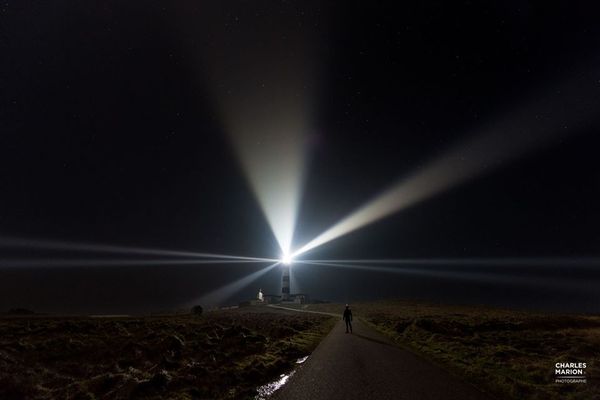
(219, 355)
(509, 354)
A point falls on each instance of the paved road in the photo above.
(366, 365)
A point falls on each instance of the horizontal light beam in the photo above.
(104, 248)
(489, 277)
(593, 262)
(87, 262)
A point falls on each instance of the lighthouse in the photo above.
(285, 282)
(286, 263)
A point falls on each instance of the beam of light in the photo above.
(545, 262)
(87, 262)
(104, 248)
(484, 277)
(542, 122)
(264, 88)
(272, 159)
(221, 294)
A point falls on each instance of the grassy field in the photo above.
(510, 354)
(220, 355)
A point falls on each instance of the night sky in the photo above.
(111, 132)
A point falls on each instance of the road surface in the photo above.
(366, 365)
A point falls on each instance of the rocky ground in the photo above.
(219, 355)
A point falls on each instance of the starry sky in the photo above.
(110, 132)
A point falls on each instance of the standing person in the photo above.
(348, 318)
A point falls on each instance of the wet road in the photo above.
(365, 365)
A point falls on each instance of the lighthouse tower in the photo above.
(285, 282)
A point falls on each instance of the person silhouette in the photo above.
(348, 318)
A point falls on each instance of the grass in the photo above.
(508, 353)
(221, 355)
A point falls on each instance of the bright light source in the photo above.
(286, 259)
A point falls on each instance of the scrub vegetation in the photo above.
(507, 353)
(219, 355)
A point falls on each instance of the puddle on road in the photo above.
(266, 391)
